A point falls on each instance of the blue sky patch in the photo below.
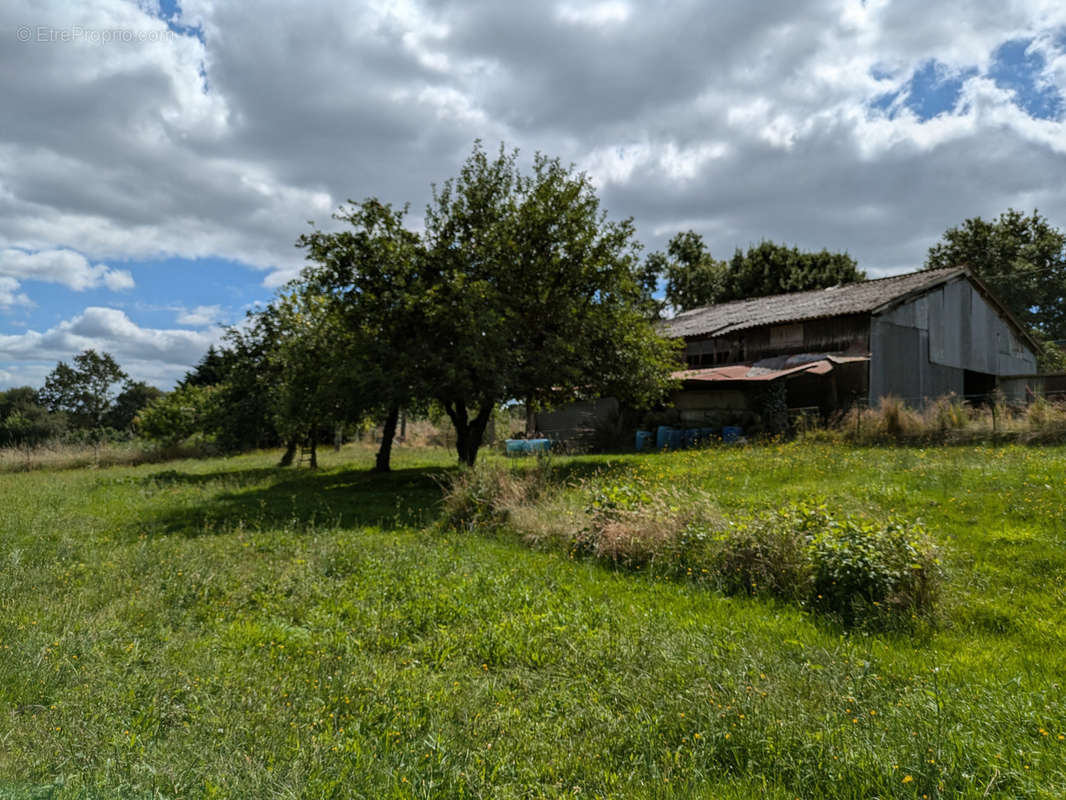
(933, 89)
(154, 303)
(1018, 68)
(169, 11)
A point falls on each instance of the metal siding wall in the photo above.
(965, 332)
(941, 380)
(876, 369)
(955, 324)
(900, 366)
(921, 313)
(572, 419)
(1013, 365)
(896, 354)
(936, 325)
(1016, 390)
(983, 330)
(901, 315)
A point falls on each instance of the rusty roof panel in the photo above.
(762, 371)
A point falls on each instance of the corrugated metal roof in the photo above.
(852, 298)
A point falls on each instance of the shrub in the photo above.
(859, 570)
(632, 526)
(1046, 419)
(179, 415)
(863, 569)
(485, 495)
(764, 556)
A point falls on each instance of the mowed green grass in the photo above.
(223, 628)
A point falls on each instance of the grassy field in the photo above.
(223, 628)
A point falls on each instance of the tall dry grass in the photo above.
(947, 420)
(61, 455)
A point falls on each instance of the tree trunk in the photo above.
(531, 417)
(314, 447)
(388, 432)
(458, 416)
(468, 432)
(290, 453)
(477, 431)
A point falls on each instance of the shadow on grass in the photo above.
(272, 498)
(267, 498)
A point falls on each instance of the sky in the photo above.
(159, 160)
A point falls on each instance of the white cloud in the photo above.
(158, 355)
(594, 14)
(744, 120)
(200, 316)
(10, 296)
(64, 267)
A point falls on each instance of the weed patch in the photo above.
(854, 568)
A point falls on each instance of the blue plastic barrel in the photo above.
(644, 440)
(677, 438)
(732, 433)
(662, 437)
(689, 437)
(517, 447)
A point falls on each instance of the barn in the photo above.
(916, 336)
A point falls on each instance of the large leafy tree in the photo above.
(135, 395)
(370, 275)
(235, 411)
(316, 384)
(770, 268)
(85, 390)
(188, 411)
(242, 415)
(1023, 259)
(693, 278)
(24, 421)
(212, 370)
(530, 292)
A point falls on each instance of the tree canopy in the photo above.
(85, 390)
(314, 362)
(369, 275)
(693, 278)
(520, 288)
(135, 395)
(532, 294)
(1023, 260)
(24, 421)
